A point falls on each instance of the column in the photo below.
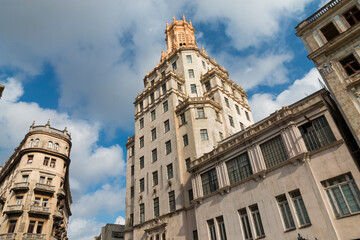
(256, 158)
(196, 185)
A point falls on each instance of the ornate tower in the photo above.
(188, 105)
(34, 186)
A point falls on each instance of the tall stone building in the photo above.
(1, 89)
(188, 105)
(332, 37)
(34, 186)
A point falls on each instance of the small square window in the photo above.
(188, 58)
(191, 73)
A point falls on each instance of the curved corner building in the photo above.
(34, 186)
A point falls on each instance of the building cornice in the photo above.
(195, 101)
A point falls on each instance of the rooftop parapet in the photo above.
(47, 128)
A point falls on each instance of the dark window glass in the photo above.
(209, 181)
(172, 204)
(221, 225)
(329, 31)
(239, 168)
(350, 64)
(212, 231)
(142, 185)
(170, 171)
(352, 16)
(142, 212)
(156, 207)
(274, 152)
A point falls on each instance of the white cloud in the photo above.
(84, 229)
(263, 104)
(120, 220)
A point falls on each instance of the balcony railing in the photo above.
(36, 209)
(33, 236)
(20, 186)
(7, 236)
(14, 209)
(58, 214)
(44, 188)
(61, 192)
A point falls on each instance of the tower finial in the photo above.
(48, 123)
(167, 25)
(174, 18)
(190, 23)
(32, 125)
(184, 18)
(203, 50)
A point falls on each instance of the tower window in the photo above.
(141, 123)
(132, 170)
(227, 102)
(168, 147)
(193, 88)
(31, 227)
(301, 212)
(155, 178)
(152, 97)
(153, 134)
(172, 204)
(142, 185)
(231, 120)
(163, 88)
(352, 16)
(174, 66)
(52, 163)
(191, 73)
(204, 135)
(142, 212)
(207, 86)
(170, 172)
(185, 140)
(179, 87)
(31, 142)
(141, 162)
(39, 227)
(165, 106)
(188, 58)
(152, 82)
(156, 207)
(30, 158)
(350, 64)
(167, 125)
(201, 113)
(46, 161)
(329, 31)
(182, 119)
(153, 115)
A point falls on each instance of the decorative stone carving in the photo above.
(326, 68)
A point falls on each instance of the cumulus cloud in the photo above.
(84, 229)
(263, 104)
(120, 220)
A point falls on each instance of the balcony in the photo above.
(39, 210)
(58, 214)
(61, 192)
(20, 186)
(14, 209)
(33, 236)
(41, 187)
(7, 236)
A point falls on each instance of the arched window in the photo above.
(37, 141)
(50, 144)
(56, 146)
(31, 142)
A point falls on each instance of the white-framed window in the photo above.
(259, 229)
(301, 212)
(191, 73)
(50, 144)
(56, 146)
(204, 135)
(188, 59)
(221, 227)
(285, 212)
(245, 224)
(153, 115)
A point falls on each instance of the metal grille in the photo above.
(239, 168)
(274, 152)
(209, 181)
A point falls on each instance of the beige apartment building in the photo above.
(332, 37)
(188, 105)
(34, 186)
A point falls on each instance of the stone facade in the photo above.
(187, 107)
(1, 89)
(332, 38)
(34, 186)
(111, 232)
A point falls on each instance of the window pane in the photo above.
(274, 152)
(239, 168)
(209, 181)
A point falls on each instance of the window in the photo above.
(217, 115)
(204, 135)
(211, 226)
(193, 88)
(141, 140)
(152, 97)
(301, 212)
(209, 181)
(187, 162)
(168, 147)
(50, 144)
(37, 201)
(163, 88)
(352, 16)
(53, 163)
(274, 152)
(185, 140)
(156, 207)
(56, 146)
(259, 229)
(141, 162)
(200, 112)
(155, 178)
(154, 155)
(203, 64)
(231, 120)
(221, 135)
(188, 59)
(48, 181)
(152, 82)
(46, 161)
(207, 86)
(174, 66)
(242, 126)
(25, 178)
(42, 180)
(329, 31)
(19, 200)
(191, 73)
(227, 102)
(142, 212)
(163, 74)
(165, 106)
(31, 143)
(132, 170)
(182, 119)
(247, 115)
(141, 106)
(239, 168)
(132, 151)
(30, 159)
(221, 225)
(153, 115)
(163, 236)
(237, 109)
(285, 212)
(12, 225)
(31, 227)
(153, 134)
(343, 194)
(317, 133)
(191, 195)
(350, 64)
(132, 192)
(44, 202)
(131, 219)
(245, 224)
(179, 86)
(37, 141)
(172, 205)
(167, 126)
(170, 171)
(142, 185)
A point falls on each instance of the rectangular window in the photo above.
(195, 235)
(152, 82)
(217, 115)
(156, 207)
(209, 181)
(49, 181)
(142, 212)
(19, 200)
(237, 109)
(285, 212)
(168, 147)
(155, 178)
(188, 58)
(179, 87)
(172, 204)
(343, 194)
(131, 219)
(203, 64)
(42, 180)
(185, 140)
(167, 125)
(221, 226)
(132, 192)
(207, 86)
(227, 102)
(154, 155)
(239, 168)
(141, 162)
(193, 88)
(274, 152)
(152, 97)
(245, 224)
(301, 212)
(163, 88)
(12, 225)
(259, 229)
(174, 66)
(350, 64)
(247, 115)
(182, 119)
(163, 74)
(352, 16)
(200, 112)
(46, 161)
(44, 202)
(221, 135)
(132, 170)
(25, 178)
(142, 185)
(231, 120)
(165, 106)
(317, 133)
(191, 195)
(141, 106)
(153, 115)
(53, 163)
(31, 227)
(153, 134)
(191, 73)
(187, 162)
(30, 159)
(204, 135)
(132, 152)
(170, 171)
(212, 231)
(141, 141)
(37, 201)
(141, 123)
(329, 31)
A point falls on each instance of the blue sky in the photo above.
(81, 64)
